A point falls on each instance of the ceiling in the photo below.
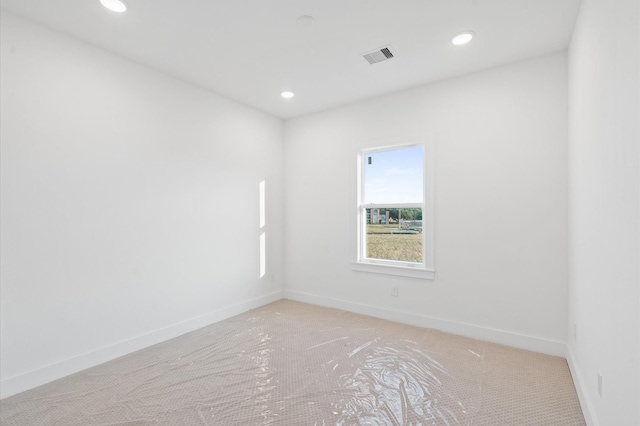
(251, 50)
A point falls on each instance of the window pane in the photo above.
(393, 177)
(394, 234)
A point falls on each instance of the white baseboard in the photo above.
(521, 341)
(585, 403)
(46, 374)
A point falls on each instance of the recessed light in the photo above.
(306, 21)
(287, 94)
(114, 5)
(462, 38)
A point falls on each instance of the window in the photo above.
(395, 211)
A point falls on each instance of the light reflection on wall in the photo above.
(262, 204)
(263, 237)
(263, 257)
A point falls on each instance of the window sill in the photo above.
(401, 271)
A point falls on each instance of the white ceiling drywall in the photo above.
(251, 50)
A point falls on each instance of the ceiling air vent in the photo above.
(378, 55)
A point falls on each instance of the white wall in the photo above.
(129, 206)
(500, 138)
(604, 213)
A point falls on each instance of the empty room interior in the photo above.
(356, 212)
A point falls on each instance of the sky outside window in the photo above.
(394, 176)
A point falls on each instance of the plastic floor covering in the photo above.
(289, 363)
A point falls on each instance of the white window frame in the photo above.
(424, 270)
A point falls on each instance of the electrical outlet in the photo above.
(394, 290)
(600, 384)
